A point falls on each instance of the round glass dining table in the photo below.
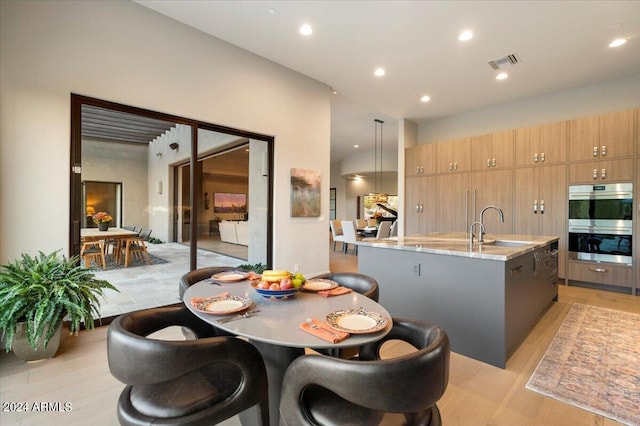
(275, 329)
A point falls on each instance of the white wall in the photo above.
(112, 51)
(608, 96)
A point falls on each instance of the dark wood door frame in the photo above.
(75, 192)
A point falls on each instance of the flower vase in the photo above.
(103, 226)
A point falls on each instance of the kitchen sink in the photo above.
(506, 243)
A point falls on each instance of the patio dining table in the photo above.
(275, 330)
(94, 234)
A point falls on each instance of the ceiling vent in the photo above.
(504, 62)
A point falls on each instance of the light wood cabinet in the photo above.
(601, 171)
(492, 188)
(420, 160)
(601, 273)
(540, 205)
(420, 205)
(636, 255)
(541, 145)
(599, 137)
(453, 156)
(452, 210)
(492, 151)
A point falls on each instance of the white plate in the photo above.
(230, 276)
(221, 305)
(319, 284)
(356, 321)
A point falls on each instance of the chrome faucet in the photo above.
(471, 232)
(500, 212)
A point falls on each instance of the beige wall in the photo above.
(123, 52)
(123, 163)
(607, 96)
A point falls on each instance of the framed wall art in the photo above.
(305, 193)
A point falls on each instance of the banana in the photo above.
(275, 275)
(272, 272)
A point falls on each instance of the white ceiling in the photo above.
(561, 44)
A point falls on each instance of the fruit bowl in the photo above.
(277, 294)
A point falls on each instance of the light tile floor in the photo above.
(149, 286)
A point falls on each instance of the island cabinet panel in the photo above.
(599, 137)
(420, 205)
(453, 156)
(493, 151)
(453, 202)
(492, 188)
(487, 307)
(540, 205)
(601, 171)
(541, 145)
(420, 160)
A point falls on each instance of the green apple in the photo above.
(296, 282)
(299, 276)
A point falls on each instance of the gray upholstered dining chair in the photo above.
(321, 390)
(192, 382)
(384, 229)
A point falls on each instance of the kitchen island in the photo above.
(487, 297)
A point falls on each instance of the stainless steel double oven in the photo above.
(601, 222)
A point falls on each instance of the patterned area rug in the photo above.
(112, 264)
(594, 363)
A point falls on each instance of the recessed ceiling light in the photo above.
(271, 11)
(425, 98)
(305, 29)
(618, 42)
(465, 36)
(379, 72)
(356, 146)
(502, 76)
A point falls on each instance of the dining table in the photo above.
(94, 234)
(368, 231)
(275, 328)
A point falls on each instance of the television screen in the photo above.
(225, 202)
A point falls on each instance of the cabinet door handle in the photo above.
(542, 157)
(417, 170)
(417, 208)
(535, 157)
(535, 206)
(595, 151)
(516, 270)
(455, 166)
(603, 151)
(450, 167)
(421, 169)
(493, 162)
(601, 270)
(488, 162)
(541, 206)
(595, 173)
(421, 207)
(603, 174)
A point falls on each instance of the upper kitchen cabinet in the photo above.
(541, 145)
(453, 156)
(420, 160)
(453, 203)
(601, 171)
(492, 151)
(600, 137)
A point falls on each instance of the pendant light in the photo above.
(378, 196)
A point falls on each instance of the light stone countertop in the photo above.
(501, 247)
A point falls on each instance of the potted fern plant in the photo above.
(37, 294)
